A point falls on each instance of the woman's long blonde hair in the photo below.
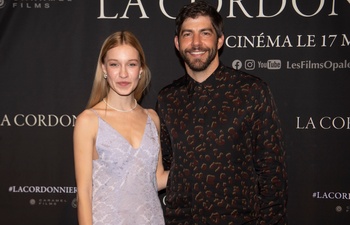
(100, 87)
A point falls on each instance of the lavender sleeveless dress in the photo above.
(124, 181)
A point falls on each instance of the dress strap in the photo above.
(94, 111)
(147, 112)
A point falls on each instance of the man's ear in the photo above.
(221, 41)
(176, 42)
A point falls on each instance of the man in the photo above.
(220, 134)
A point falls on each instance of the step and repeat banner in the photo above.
(48, 55)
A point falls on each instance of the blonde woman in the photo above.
(116, 144)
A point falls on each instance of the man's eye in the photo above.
(206, 33)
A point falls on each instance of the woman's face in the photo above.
(123, 67)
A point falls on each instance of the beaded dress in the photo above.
(124, 178)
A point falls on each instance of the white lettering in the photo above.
(261, 9)
(139, 3)
(333, 195)
(325, 123)
(234, 5)
(102, 11)
(5, 119)
(308, 124)
(319, 65)
(41, 120)
(336, 125)
(310, 41)
(16, 122)
(346, 41)
(43, 189)
(322, 125)
(239, 3)
(259, 41)
(162, 9)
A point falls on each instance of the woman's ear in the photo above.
(104, 69)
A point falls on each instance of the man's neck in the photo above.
(201, 76)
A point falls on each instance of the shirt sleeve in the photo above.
(269, 158)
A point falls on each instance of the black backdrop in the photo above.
(48, 54)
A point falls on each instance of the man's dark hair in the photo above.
(196, 9)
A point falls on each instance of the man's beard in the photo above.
(197, 64)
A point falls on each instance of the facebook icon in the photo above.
(237, 64)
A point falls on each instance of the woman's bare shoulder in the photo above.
(90, 115)
(154, 116)
(86, 118)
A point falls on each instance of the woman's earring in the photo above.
(140, 75)
(105, 76)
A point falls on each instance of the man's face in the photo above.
(198, 43)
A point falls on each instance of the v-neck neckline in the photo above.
(116, 131)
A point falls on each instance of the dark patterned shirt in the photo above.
(222, 141)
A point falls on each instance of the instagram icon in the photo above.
(249, 64)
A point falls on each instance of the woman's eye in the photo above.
(133, 64)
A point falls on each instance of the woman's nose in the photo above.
(123, 72)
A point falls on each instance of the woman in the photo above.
(116, 144)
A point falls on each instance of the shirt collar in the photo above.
(193, 86)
